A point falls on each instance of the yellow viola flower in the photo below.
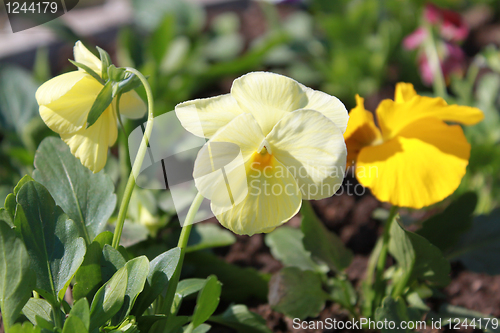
(289, 140)
(65, 102)
(415, 159)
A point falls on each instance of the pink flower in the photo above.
(415, 39)
(452, 25)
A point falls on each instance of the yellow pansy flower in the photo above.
(289, 138)
(65, 102)
(415, 159)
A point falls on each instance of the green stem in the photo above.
(438, 82)
(401, 284)
(385, 243)
(129, 188)
(182, 244)
(57, 315)
(379, 263)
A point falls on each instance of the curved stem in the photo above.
(182, 244)
(138, 159)
(438, 82)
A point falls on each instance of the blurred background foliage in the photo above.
(342, 47)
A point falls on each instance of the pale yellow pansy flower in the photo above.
(290, 143)
(65, 102)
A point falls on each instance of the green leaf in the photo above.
(102, 101)
(342, 292)
(6, 217)
(88, 70)
(116, 74)
(205, 236)
(281, 240)
(17, 99)
(479, 249)
(39, 312)
(203, 328)
(417, 256)
(171, 324)
(109, 299)
(81, 310)
(189, 286)
(239, 283)
(239, 318)
(88, 277)
(106, 62)
(395, 310)
(87, 198)
(74, 325)
(38, 308)
(10, 202)
(447, 313)
(56, 251)
(207, 302)
(444, 229)
(16, 278)
(297, 293)
(25, 327)
(130, 82)
(112, 260)
(137, 270)
(161, 270)
(322, 243)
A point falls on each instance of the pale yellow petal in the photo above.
(361, 131)
(221, 161)
(132, 106)
(65, 101)
(421, 166)
(268, 96)
(312, 148)
(243, 131)
(204, 117)
(329, 106)
(90, 145)
(84, 56)
(273, 199)
(220, 174)
(394, 116)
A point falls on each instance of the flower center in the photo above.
(262, 159)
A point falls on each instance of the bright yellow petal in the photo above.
(268, 96)
(404, 92)
(84, 56)
(394, 116)
(361, 130)
(329, 106)
(132, 106)
(313, 150)
(204, 117)
(65, 101)
(90, 145)
(273, 199)
(421, 166)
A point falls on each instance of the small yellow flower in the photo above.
(290, 141)
(415, 159)
(65, 102)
